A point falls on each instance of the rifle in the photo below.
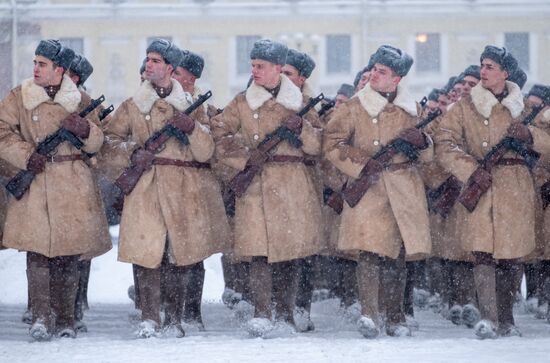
(105, 112)
(327, 106)
(240, 183)
(333, 199)
(423, 102)
(127, 181)
(442, 199)
(473, 192)
(21, 182)
(354, 191)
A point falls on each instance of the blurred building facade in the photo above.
(443, 36)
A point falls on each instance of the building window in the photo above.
(338, 53)
(76, 44)
(518, 45)
(427, 55)
(243, 48)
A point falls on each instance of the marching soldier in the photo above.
(500, 228)
(166, 222)
(60, 217)
(391, 220)
(277, 219)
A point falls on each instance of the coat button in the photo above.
(485, 144)
(34, 118)
(374, 121)
(376, 142)
(256, 137)
(486, 122)
(256, 116)
(147, 117)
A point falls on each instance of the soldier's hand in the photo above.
(257, 158)
(183, 122)
(77, 125)
(482, 178)
(294, 123)
(520, 132)
(415, 137)
(36, 163)
(142, 158)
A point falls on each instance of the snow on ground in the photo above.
(111, 339)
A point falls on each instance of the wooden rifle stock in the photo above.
(21, 182)
(355, 190)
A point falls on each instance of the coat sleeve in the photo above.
(95, 139)
(201, 142)
(311, 134)
(337, 146)
(450, 148)
(13, 148)
(230, 147)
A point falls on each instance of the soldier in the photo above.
(500, 229)
(471, 79)
(277, 219)
(60, 217)
(166, 222)
(387, 223)
(344, 93)
(186, 73)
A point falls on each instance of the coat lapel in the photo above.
(146, 96)
(68, 96)
(289, 95)
(373, 102)
(484, 100)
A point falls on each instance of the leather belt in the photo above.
(291, 159)
(511, 161)
(61, 158)
(399, 166)
(183, 163)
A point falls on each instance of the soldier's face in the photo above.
(185, 78)
(493, 77)
(45, 73)
(292, 73)
(339, 100)
(443, 101)
(266, 74)
(363, 81)
(536, 100)
(458, 89)
(156, 69)
(383, 78)
(469, 83)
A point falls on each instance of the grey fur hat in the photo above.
(168, 50)
(82, 67)
(270, 51)
(473, 71)
(399, 61)
(500, 56)
(56, 52)
(450, 84)
(193, 62)
(301, 61)
(541, 91)
(434, 94)
(519, 77)
(347, 90)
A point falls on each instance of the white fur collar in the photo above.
(484, 100)
(373, 102)
(307, 90)
(289, 95)
(68, 95)
(546, 115)
(146, 96)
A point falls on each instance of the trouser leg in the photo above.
(242, 279)
(149, 287)
(485, 281)
(305, 283)
(284, 277)
(261, 285)
(193, 293)
(38, 275)
(409, 289)
(532, 279)
(506, 276)
(463, 283)
(394, 276)
(349, 282)
(174, 291)
(137, 298)
(63, 288)
(81, 303)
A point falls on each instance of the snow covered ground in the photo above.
(111, 339)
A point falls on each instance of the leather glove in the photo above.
(257, 158)
(482, 178)
(36, 163)
(183, 122)
(142, 158)
(77, 125)
(294, 124)
(521, 132)
(415, 137)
